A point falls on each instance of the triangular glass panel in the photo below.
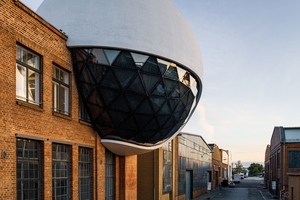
(171, 122)
(118, 117)
(136, 86)
(103, 122)
(94, 111)
(108, 95)
(99, 56)
(86, 76)
(169, 85)
(139, 59)
(80, 54)
(162, 119)
(147, 135)
(183, 88)
(151, 66)
(152, 125)
(94, 98)
(120, 104)
(134, 100)
(157, 103)
(145, 108)
(110, 81)
(163, 65)
(160, 89)
(123, 76)
(129, 124)
(180, 73)
(85, 89)
(173, 104)
(171, 73)
(165, 109)
(176, 91)
(156, 138)
(111, 55)
(142, 120)
(138, 138)
(180, 107)
(186, 79)
(150, 81)
(98, 71)
(124, 60)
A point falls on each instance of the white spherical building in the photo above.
(137, 66)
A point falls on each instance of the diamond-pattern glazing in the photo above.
(134, 97)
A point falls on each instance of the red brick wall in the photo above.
(18, 24)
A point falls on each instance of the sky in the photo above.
(251, 61)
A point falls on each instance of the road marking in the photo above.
(262, 195)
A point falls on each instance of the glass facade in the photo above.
(134, 97)
(193, 155)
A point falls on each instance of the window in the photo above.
(83, 115)
(28, 169)
(109, 175)
(61, 90)
(294, 159)
(61, 169)
(28, 76)
(167, 167)
(85, 173)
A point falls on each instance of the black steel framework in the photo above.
(134, 97)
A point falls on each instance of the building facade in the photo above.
(284, 162)
(181, 169)
(63, 106)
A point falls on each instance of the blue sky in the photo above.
(251, 58)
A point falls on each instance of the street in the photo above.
(248, 189)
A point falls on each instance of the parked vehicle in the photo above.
(242, 175)
(231, 184)
(236, 178)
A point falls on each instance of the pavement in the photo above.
(210, 194)
(266, 195)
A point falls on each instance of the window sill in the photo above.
(67, 117)
(29, 105)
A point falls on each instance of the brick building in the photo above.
(283, 178)
(52, 144)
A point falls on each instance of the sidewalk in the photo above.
(211, 194)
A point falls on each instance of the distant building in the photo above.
(180, 170)
(282, 162)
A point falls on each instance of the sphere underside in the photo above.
(134, 97)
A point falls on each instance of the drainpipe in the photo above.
(96, 166)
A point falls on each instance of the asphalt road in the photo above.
(251, 188)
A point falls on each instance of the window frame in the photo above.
(110, 175)
(56, 91)
(38, 70)
(87, 163)
(29, 161)
(68, 170)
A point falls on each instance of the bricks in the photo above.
(18, 24)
